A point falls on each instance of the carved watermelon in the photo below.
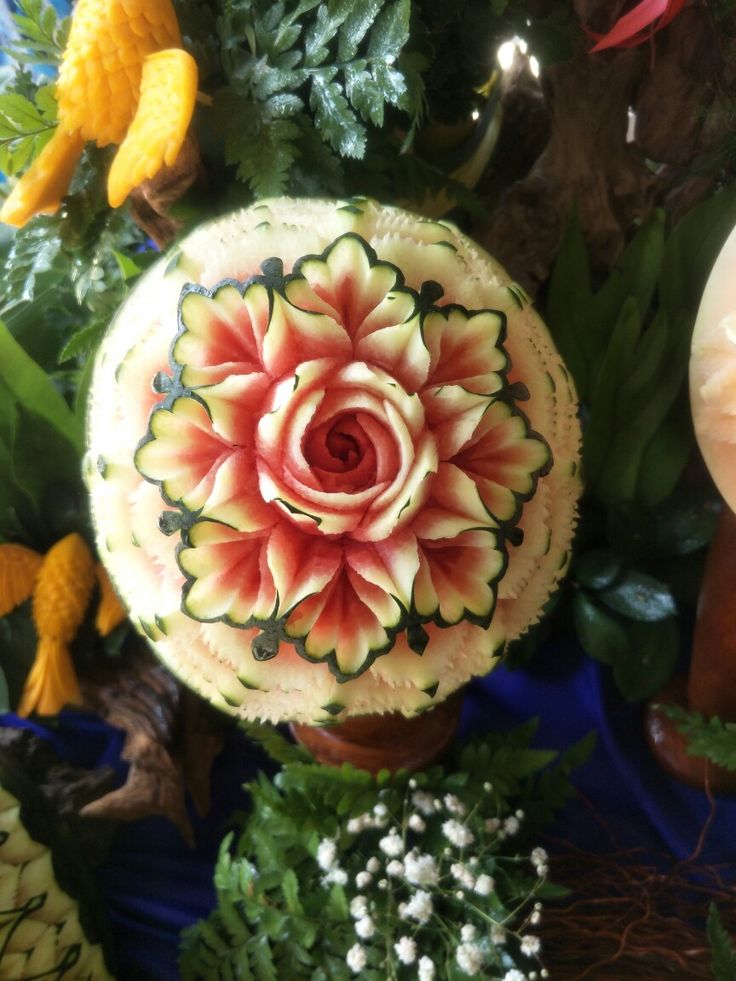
(332, 460)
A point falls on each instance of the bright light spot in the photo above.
(475, 114)
(505, 54)
(631, 128)
(534, 66)
(508, 49)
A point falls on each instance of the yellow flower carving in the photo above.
(124, 79)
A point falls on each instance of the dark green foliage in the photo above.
(639, 549)
(723, 961)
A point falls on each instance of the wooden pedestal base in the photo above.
(669, 745)
(391, 742)
(710, 687)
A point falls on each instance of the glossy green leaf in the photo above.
(596, 568)
(640, 597)
(602, 637)
(651, 657)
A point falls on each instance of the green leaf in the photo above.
(723, 956)
(640, 597)
(691, 251)
(602, 637)
(686, 522)
(614, 368)
(596, 568)
(568, 305)
(712, 738)
(43, 34)
(650, 658)
(24, 132)
(290, 888)
(355, 28)
(665, 456)
(35, 390)
(391, 31)
(634, 274)
(335, 121)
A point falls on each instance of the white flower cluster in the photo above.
(402, 890)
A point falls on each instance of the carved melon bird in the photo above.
(124, 79)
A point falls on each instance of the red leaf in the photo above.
(639, 24)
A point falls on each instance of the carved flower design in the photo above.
(346, 456)
(354, 476)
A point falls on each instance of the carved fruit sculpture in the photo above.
(333, 460)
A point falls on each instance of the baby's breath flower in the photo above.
(423, 802)
(542, 871)
(484, 885)
(337, 875)
(356, 958)
(416, 823)
(395, 868)
(469, 958)
(372, 865)
(326, 854)
(487, 787)
(535, 918)
(380, 810)
(418, 908)
(491, 825)
(392, 844)
(356, 825)
(458, 834)
(538, 856)
(426, 969)
(365, 927)
(463, 875)
(412, 783)
(520, 814)
(437, 804)
(406, 950)
(421, 870)
(363, 879)
(498, 934)
(358, 907)
(454, 805)
(467, 932)
(459, 894)
(511, 825)
(383, 883)
(513, 975)
(530, 945)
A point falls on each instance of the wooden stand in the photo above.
(378, 742)
(711, 685)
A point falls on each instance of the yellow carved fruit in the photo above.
(110, 611)
(63, 588)
(107, 93)
(18, 570)
(52, 681)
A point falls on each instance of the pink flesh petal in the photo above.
(391, 565)
(464, 350)
(300, 564)
(235, 498)
(294, 336)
